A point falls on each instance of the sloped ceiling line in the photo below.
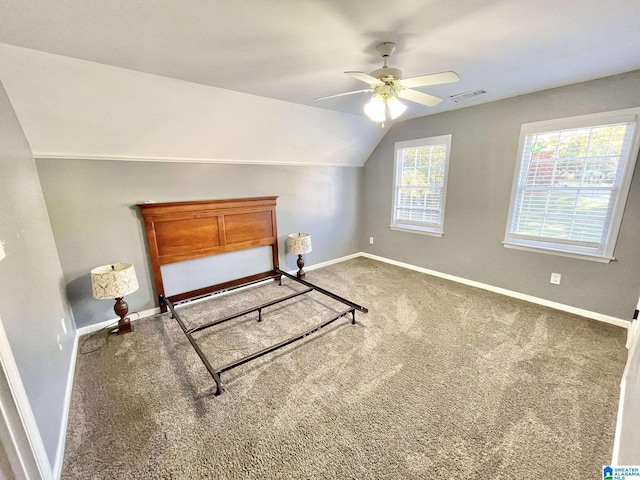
(72, 108)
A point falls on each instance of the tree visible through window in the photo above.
(572, 183)
(420, 184)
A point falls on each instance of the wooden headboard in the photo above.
(179, 231)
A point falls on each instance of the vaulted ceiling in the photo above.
(293, 51)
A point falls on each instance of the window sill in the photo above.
(416, 230)
(591, 258)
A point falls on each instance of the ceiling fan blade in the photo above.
(366, 78)
(419, 97)
(433, 79)
(343, 94)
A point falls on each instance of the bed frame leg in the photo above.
(163, 305)
(353, 317)
(218, 389)
(259, 314)
(216, 377)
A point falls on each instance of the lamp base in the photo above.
(300, 263)
(124, 324)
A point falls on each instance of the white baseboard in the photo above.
(308, 268)
(503, 291)
(94, 327)
(57, 467)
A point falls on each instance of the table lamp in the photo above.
(300, 243)
(114, 281)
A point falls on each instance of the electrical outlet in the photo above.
(2, 254)
(555, 278)
(371, 240)
(64, 326)
(59, 342)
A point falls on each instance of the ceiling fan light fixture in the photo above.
(396, 107)
(384, 107)
(375, 109)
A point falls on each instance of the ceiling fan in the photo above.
(388, 85)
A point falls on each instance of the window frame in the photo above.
(605, 252)
(436, 230)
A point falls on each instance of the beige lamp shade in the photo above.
(299, 243)
(113, 281)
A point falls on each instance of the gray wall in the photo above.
(32, 299)
(483, 159)
(94, 220)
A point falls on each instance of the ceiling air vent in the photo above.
(466, 96)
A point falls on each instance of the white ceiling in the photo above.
(296, 50)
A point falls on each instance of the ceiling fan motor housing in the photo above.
(387, 74)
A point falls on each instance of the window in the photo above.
(571, 184)
(421, 169)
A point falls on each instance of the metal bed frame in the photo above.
(179, 231)
(217, 371)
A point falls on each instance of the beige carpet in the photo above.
(439, 380)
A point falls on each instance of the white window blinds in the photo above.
(421, 168)
(571, 184)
